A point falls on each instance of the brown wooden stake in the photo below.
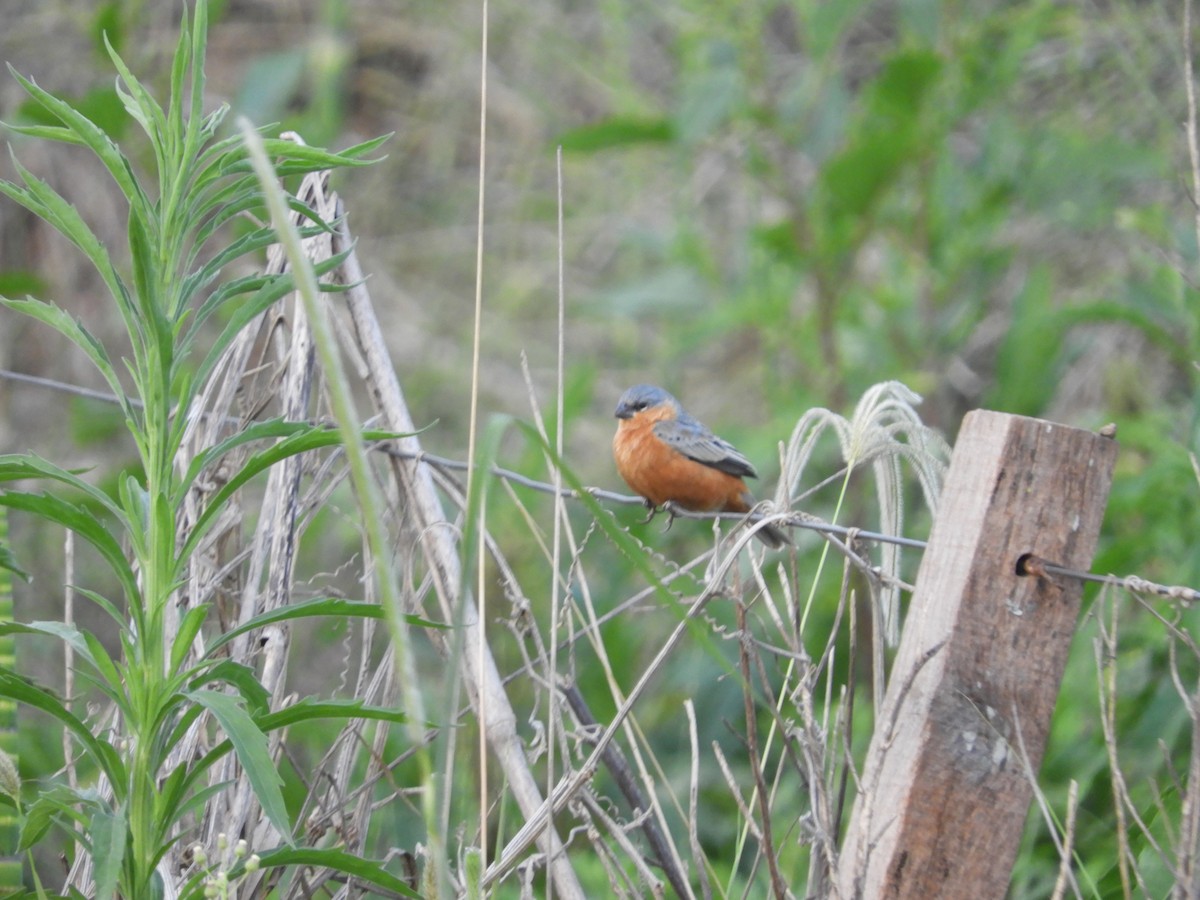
(945, 791)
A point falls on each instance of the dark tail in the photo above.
(773, 537)
(770, 535)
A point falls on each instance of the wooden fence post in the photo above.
(945, 790)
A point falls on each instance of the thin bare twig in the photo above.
(767, 845)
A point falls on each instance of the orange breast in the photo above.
(659, 473)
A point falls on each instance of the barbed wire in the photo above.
(1027, 564)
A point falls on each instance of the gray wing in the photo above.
(695, 441)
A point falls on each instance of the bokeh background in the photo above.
(768, 207)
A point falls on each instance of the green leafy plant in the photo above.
(168, 678)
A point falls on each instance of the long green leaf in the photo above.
(135, 503)
(92, 135)
(144, 257)
(80, 520)
(104, 603)
(309, 709)
(102, 672)
(72, 329)
(255, 431)
(140, 104)
(108, 835)
(226, 291)
(370, 871)
(46, 132)
(199, 49)
(237, 675)
(177, 804)
(57, 802)
(248, 309)
(214, 202)
(299, 158)
(251, 243)
(322, 606)
(189, 627)
(85, 645)
(23, 691)
(250, 745)
(312, 438)
(18, 466)
(46, 203)
(245, 313)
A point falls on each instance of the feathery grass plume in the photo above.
(884, 432)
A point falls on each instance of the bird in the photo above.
(665, 454)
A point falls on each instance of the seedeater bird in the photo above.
(664, 454)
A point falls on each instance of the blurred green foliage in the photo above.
(962, 186)
(985, 200)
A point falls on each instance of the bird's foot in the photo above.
(669, 509)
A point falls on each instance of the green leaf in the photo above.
(56, 802)
(316, 158)
(248, 310)
(143, 257)
(138, 102)
(618, 131)
(310, 438)
(135, 504)
(250, 745)
(84, 523)
(108, 839)
(255, 241)
(238, 676)
(712, 94)
(189, 627)
(23, 691)
(322, 606)
(176, 803)
(17, 466)
(72, 329)
(310, 708)
(9, 561)
(1031, 351)
(44, 202)
(86, 645)
(92, 136)
(104, 603)
(298, 159)
(370, 871)
(255, 431)
(103, 106)
(885, 139)
(14, 282)
(54, 133)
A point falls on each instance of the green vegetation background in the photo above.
(768, 207)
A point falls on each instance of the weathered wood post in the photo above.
(944, 788)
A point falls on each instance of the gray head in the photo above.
(640, 397)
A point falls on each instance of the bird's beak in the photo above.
(623, 412)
